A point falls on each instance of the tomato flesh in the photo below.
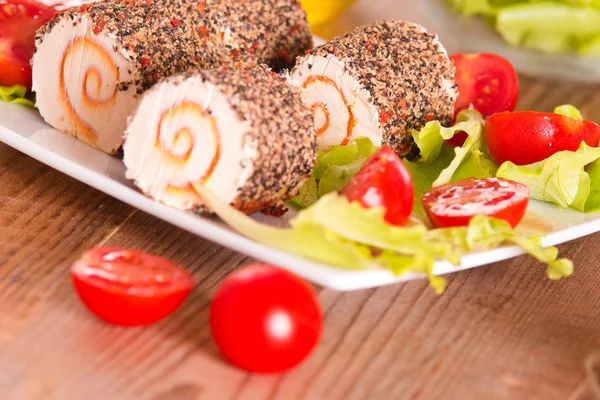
(486, 82)
(19, 20)
(456, 203)
(527, 137)
(383, 181)
(264, 319)
(128, 287)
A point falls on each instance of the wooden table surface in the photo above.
(502, 331)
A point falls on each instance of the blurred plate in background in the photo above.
(471, 35)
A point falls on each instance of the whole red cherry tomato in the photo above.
(265, 319)
(485, 81)
(383, 181)
(527, 137)
(19, 20)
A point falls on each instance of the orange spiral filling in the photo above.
(179, 149)
(90, 85)
(321, 106)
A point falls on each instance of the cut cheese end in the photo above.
(225, 129)
(341, 108)
(379, 81)
(186, 132)
(81, 84)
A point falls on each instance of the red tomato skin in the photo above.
(527, 137)
(383, 181)
(454, 204)
(19, 20)
(14, 74)
(487, 82)
(125, 304)
(265, 320)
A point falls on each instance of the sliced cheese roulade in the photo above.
(244, 134)
(93, 61)
(379, 81)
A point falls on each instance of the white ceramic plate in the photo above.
(24, 129)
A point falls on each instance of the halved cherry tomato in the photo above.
(19, 19)
(128, 287)
(527, 137)
(485, 81)
(265, 319)
(383, 181)
(456, 203)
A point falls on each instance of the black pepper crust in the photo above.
(164, 37)
(406, 71)
(280, 129)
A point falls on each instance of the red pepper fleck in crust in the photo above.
(253, 47)
(98, 26)
(384, 117)
(402, 106)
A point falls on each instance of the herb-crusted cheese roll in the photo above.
(243, 133)
(92, 62)
(379, 81)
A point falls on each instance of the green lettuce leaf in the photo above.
(433, 135)
(567, 178)
(424, 175)
(440, 163)
(15, 94)
(306, 240)
(472, 7)
(569, 111)
(516, 22)
(550, 26)
(345, 235)
(333, 170)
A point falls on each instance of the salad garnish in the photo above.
(347, 235)
(548, 26)
(16, 94)
(567, 178)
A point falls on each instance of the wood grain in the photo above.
(499, 332)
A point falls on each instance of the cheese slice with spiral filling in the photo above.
(379, 81)
(85, 98)
(341, 108)
(175, 139)
(244, 134)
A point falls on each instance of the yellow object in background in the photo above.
(320, 12)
